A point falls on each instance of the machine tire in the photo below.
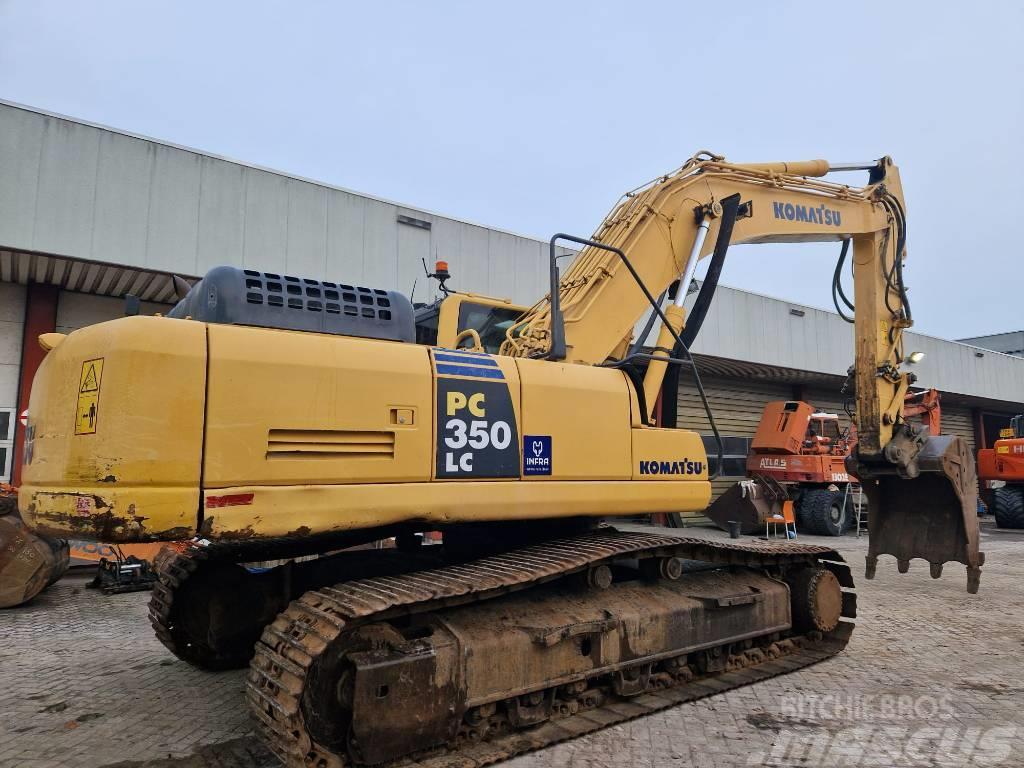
(824, 513)
(1008, 506)
(802, 524)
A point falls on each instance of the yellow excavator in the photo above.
(270, 418)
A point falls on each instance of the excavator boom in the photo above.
(655, 236)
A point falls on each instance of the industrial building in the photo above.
(1011, 343)
(89, 214)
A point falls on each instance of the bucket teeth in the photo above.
(933, 517)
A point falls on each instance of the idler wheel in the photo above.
(816, 599)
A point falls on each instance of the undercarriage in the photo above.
(405, 657)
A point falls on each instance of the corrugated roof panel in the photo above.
(120, 286)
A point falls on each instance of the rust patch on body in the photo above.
(101, 526)
(107, 527)
(241, 533)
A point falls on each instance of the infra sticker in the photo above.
(536, 454)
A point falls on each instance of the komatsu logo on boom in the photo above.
(820, 215)
(684, 467)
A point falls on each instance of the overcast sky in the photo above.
(535, 117)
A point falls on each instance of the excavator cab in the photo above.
(824, 435)
(466, 321)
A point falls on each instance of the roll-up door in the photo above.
(737, 406)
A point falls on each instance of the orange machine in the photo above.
(1005, 462)
(796, 443)
(799, 454)
(89, 552)
(924, 407)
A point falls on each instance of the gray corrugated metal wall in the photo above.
(759, 329)
(12, 318)
(77, 310)
(73, 189)
(958, 420)
(737, 408)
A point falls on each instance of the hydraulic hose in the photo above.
(837, 284)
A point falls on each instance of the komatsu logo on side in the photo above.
(684, 467)
(820, 215)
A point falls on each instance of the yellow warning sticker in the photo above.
(88, 411)
(1008, 432)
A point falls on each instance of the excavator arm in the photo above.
(657, 234)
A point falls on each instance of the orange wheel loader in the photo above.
(799, 454)
(1005, 462)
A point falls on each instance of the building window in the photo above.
(6, 443)
(734, 455)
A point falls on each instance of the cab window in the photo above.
(829, 428)
(490, 322)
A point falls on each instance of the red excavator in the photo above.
(1005, 462)
(798, 454)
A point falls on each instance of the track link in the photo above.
(189, 573)
(294, 641)
(174, 566)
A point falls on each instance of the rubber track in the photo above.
(173, 565)
(293, 641)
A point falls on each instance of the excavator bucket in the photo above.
(28, 563)
(748, 503)
(933, 516)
